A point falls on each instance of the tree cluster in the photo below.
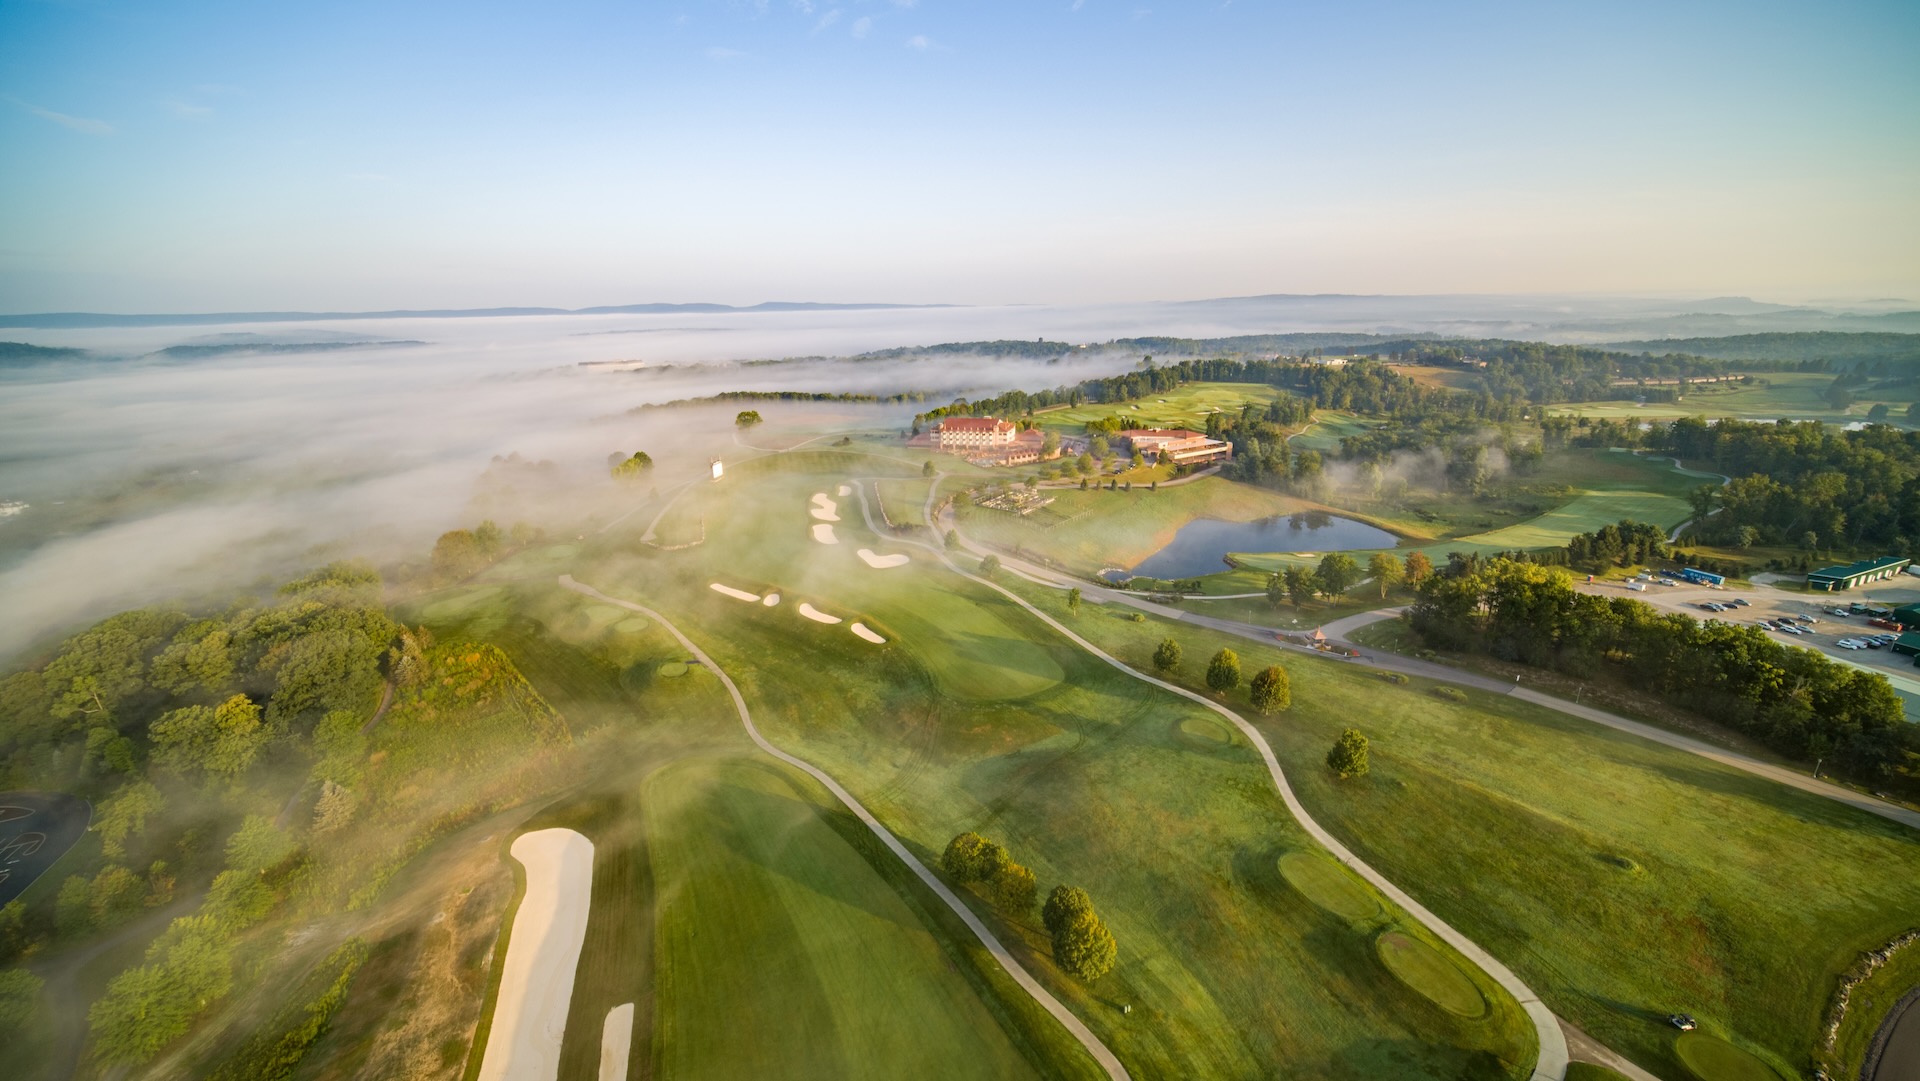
(972, 858)
(1082, 945)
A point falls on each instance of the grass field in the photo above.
(1595, 488)
(1795, 395)
(904, 501)
(1326, 431)
(1090, 778)
(620, 676)
(1182, 407)
(1088, 531)
(1622, 879)
(781, 952)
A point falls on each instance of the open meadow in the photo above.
(1773, 396)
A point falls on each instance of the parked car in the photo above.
(1739, 602)
(1841, 612)
(1682, 1022)
(1851, 643)
(1808, 619)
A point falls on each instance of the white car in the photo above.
(1849, 643)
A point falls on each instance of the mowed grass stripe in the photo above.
(782, 953)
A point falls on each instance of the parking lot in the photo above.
(1766, 602)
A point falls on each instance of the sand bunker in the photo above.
(861, 630)
(736, 594)
(825, 509)
(883, 562)
(616, 1040)
(770, 599)
(536, 983)
(816, 614)
(845, 491)
(824, 534)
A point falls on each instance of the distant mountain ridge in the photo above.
(88, 320)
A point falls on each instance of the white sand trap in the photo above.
(825, 509)
(861, 630)
(883, 562)
(616, 1040)
(736, 594)
(816, 614)
(824, 534)
(845, 491)
(536, 983)
(770, 599)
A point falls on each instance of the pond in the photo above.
(1201, 546)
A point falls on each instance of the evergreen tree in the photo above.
(1349, 756)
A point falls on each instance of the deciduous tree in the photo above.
(1272, 690)
(1167, 657)
(1348, 758)
(1223, 671)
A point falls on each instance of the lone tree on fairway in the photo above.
(1167, 657)
(1272, 690)
(1073, 600)
(747, 418)
(927, 469)
(1276, 589)
(1223, 671)
(1337, 573)
(989, 565)
(1081, 942)
(1385, 571)
(953, 540)
(1349, 756)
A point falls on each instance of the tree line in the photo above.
(1796, 701)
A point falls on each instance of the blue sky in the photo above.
(197, 156)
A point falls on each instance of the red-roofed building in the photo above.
(961, 434)
(1179, 445)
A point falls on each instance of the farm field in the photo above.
(1089, 778)
(1622, 879)
(1795, 395)
(1182, 407)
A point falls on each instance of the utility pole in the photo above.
(1816, 766)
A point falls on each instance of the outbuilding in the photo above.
(1907, 644)
(1833, 579)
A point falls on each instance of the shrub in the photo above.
(1451, 694)
(1167, 657)
(1349, 756)
(1223, 671)
(1272, 690)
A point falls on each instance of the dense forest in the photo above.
(1795, 700)
(227, 755)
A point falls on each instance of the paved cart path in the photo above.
(1552, 1062)
(1100, 1052)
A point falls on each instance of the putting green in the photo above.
(1711, 1058)
(631, 625)
(1205, 731)
(460, 604)
(672, 668)
(1329, 886)
(1431, 973)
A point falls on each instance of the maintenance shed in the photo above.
(1834, 579)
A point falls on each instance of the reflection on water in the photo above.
(1201, 546)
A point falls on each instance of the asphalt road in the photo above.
(36, 829)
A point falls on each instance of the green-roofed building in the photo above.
(1908, 644)
(1834, 579)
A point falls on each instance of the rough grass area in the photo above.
(1871, 1001)
(1624, 880)
(904, 502)
(1326, 430)
(769, 923)
(1089, 780)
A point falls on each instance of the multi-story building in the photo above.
(1180, 446)
(964, 434)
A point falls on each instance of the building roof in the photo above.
(974, 424)
(1854, 570)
